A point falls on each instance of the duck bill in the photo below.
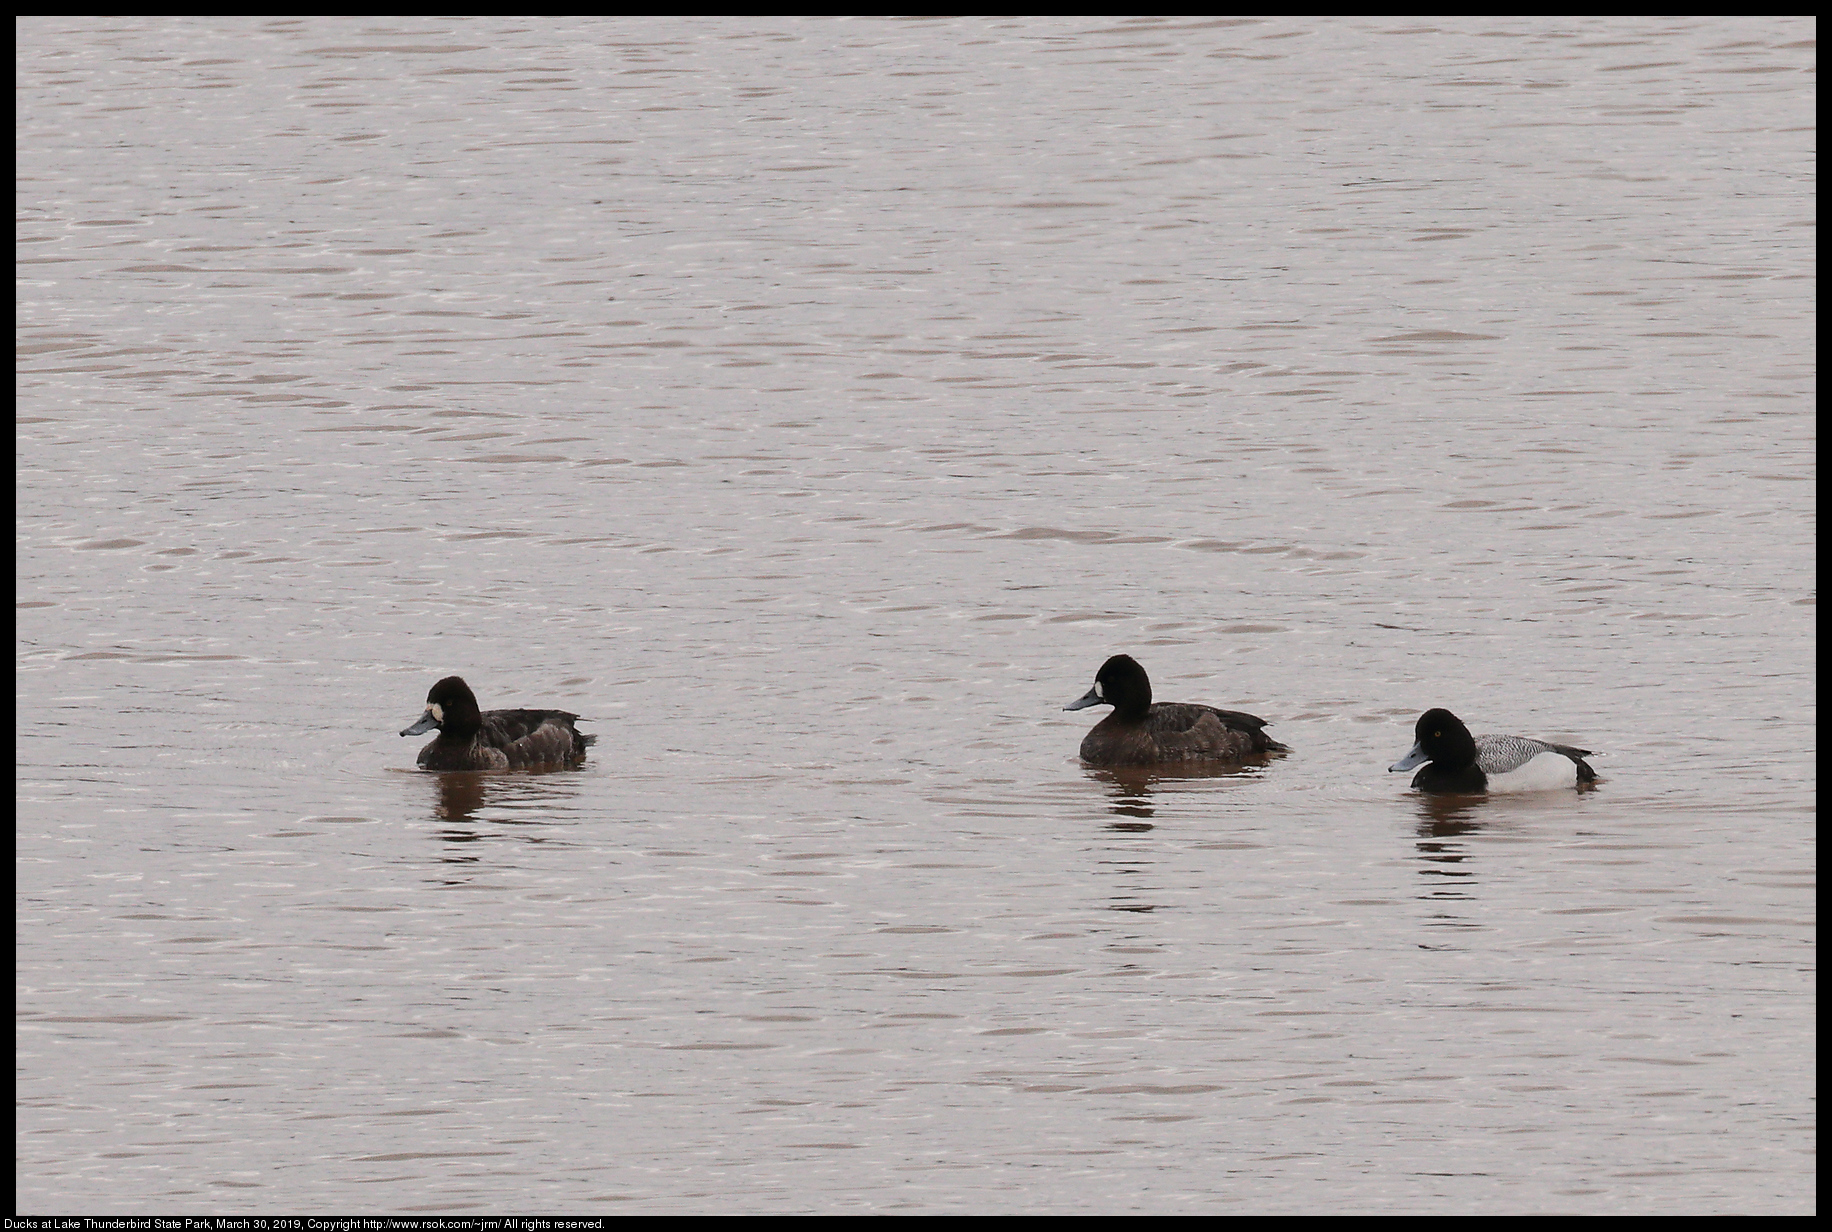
(427, 723)
(1091, 698)
(1417, 757)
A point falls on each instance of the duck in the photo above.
(470, 739)
(1140, 732)
(1462, 763)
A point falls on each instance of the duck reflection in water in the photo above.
(534, 807)
(1131, 788)
(1131, 797)
(460, 796)
(1448, 816)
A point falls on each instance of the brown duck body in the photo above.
(1140, 732)
(1176, 731)
(495, 739)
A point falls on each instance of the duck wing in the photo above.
(1500, 754)
(532, 737)
(1200, 724)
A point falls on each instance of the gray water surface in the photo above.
(813, 405)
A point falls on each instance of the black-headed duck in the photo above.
(1462, 763)
(1139, 733)
(470, 739)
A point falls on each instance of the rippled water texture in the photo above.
(813, 405)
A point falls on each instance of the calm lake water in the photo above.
(813, 405)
